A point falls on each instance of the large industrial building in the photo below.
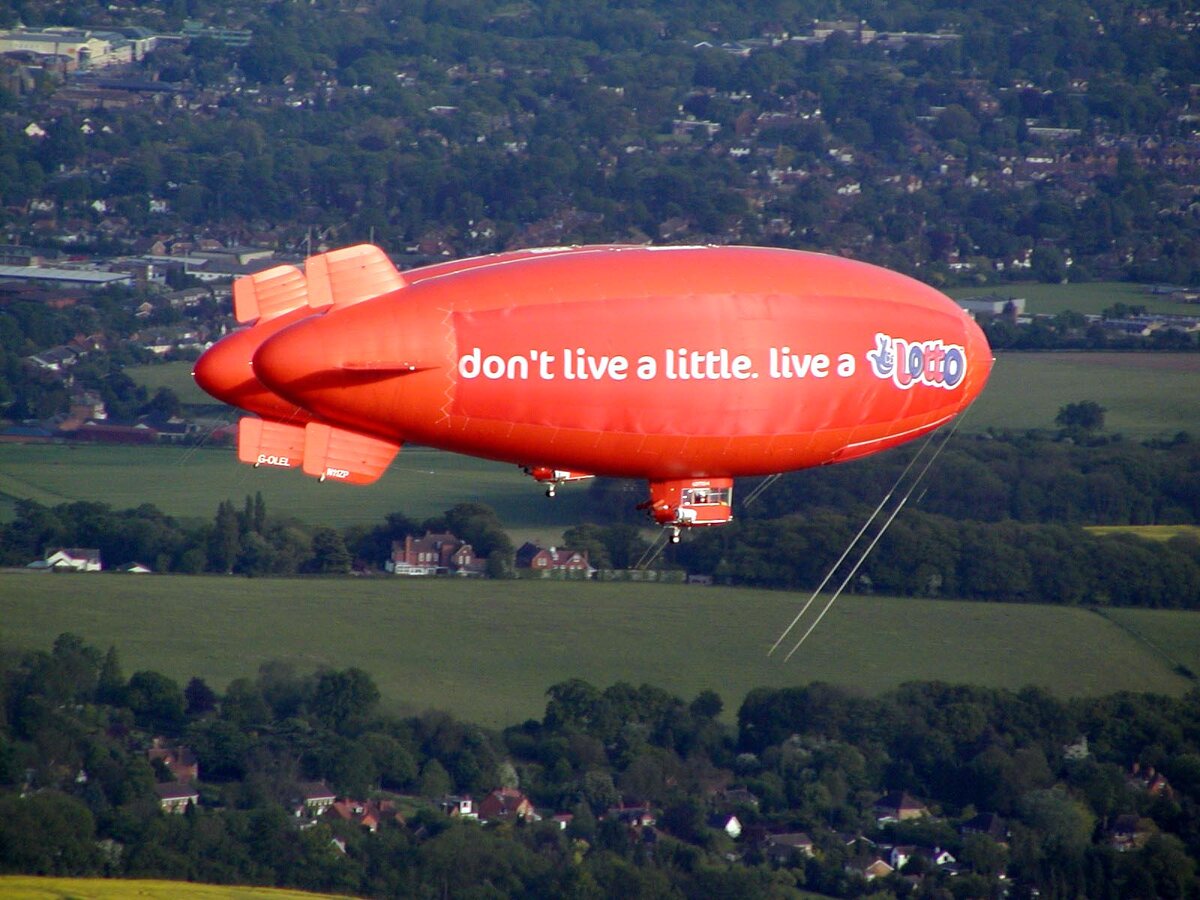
(78, 49)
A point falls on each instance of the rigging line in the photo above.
(760, 487)
(652, 552)
(846, 581)
(871, 546)
(201, 441)
(850, 546)
(828, 575)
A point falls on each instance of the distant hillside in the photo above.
(959, 141)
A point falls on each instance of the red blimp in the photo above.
(685, 366)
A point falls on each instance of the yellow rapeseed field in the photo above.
(28, 887)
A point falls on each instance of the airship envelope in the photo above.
(685, 366)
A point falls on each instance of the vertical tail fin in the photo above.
(268, 294)
(344, 277)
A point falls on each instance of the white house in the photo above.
(728, 824)
(70, 559)
(174, 797)
(314, 798)
(462, 806)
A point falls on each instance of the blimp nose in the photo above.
(223, 370)
(301, 361)
(979, 361)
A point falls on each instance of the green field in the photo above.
(1087, 298)
(28, 887)
(1174, 636)
(191, 482)
(1149, 532)
(174, 375)
(487, 651)
(1145, 394)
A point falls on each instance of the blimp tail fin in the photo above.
(269, 293)
(265, 442)
(341, 455)
(337, 278)
(350, 275)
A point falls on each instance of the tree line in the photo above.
(1067, 477)
(241, 540)
(1001, 517)
(77, 787)
(926, 555)
(998, 518)
(1072, 331)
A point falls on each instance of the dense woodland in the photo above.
(77, 787)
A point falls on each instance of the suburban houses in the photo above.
(641, 820)
(179, 762)
(548, 562)
(446, 554)
(176, 797)
(898, 806)
(316, 802)
(783, 140)
(434, 554)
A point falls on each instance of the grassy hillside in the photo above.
(1145, 394)
(174, 375)
(1174, 636)
(1087, 298)
(28, 887)
(190, 482)
(487, 651)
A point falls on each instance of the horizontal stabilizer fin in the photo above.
(264, 442)
(350, 275)
(341, 455)
(269, 293)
